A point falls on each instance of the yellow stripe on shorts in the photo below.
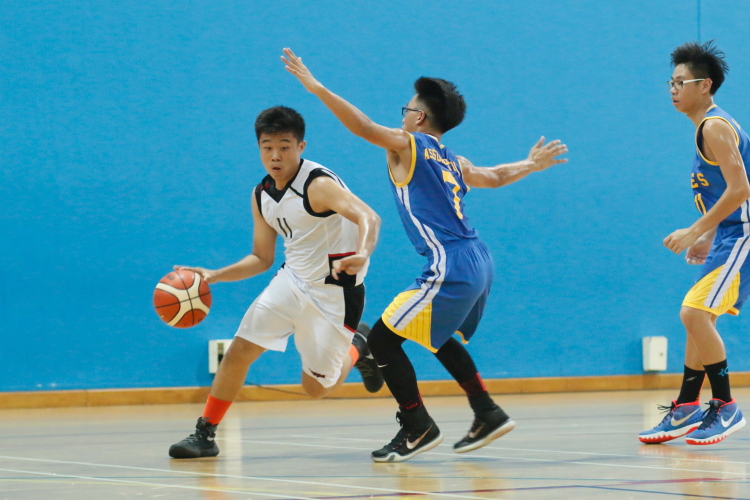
(418, 329)
(698, 295)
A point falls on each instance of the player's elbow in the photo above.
(266, 262)
(374, 220)
(741, 193)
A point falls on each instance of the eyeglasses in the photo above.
(405, 110)
(679, 84)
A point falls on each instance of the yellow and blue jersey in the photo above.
(723, 285)
(707, 181)
(430, 200)
(450, 295)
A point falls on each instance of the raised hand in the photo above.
(294, 66)
(207, 274)
(544, 156)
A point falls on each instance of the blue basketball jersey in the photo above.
(430, 200)
(707, 180)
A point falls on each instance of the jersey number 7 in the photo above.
(448, 177)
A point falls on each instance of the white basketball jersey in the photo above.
(312, 241)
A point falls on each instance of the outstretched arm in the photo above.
(391, 139)
(326, 194)
(264, 247)
(540, 158)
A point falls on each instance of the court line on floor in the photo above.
(721, 460)
(433, 453)
(258, 478)
(494, 447)
(144, 483)
(693, 495)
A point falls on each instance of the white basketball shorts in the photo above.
(323, 318)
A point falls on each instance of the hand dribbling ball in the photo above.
(182, 298)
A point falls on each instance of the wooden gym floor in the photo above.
(574, 445)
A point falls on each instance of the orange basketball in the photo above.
(182, 298)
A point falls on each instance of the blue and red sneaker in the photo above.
(719, 420)
(680, 420)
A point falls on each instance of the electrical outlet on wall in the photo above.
(216, 351)
(654, 354)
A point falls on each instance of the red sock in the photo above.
(215, 409)
(354, 353)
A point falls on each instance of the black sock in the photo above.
(396, 368)
(692, 381)
(456, 359)
(718, 375)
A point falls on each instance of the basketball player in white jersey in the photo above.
(317, 294)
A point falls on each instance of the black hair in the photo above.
(445, 105)
(703, 61)
(278, 120)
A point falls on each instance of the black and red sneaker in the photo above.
(486, 428)
(417, 434)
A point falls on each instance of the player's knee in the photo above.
(242, 351)
(313, 388)
(695, 318)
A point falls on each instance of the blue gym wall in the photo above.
(127, 146)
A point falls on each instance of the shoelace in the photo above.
(402, 434)
(193, 438)
(667, 409)
(709, 416)
(364, 369)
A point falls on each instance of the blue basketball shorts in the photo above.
(449, 297)
(724, 282)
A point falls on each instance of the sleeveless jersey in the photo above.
(430, 201)
(312, 241)
(707, 180)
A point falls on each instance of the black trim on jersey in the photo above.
(345, 280)
(258, 191)
(314, 174)
(354, 305)
(269, 185)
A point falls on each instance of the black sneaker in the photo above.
(411, 440)
(366, 364)
(200, 444)
(486, 428)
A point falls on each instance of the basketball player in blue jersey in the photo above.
(429, 183)
(719, 241)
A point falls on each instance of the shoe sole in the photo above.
(663, 437)
(180, 454)
(497, 433)
(395, 457)
(721, 437)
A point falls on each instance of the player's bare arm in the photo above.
(264, 248)
(720, 145)
(396, 141)
(325, 194)
(541, 157)
(698, 251)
